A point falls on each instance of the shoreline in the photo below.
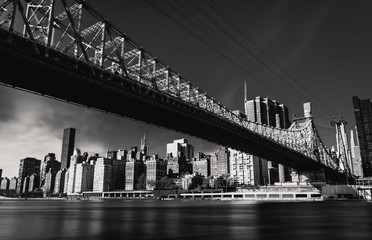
(185, 200)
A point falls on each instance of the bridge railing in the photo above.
(100, 44)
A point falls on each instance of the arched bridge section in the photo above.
(70, 52)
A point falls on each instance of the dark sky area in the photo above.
(293, 51)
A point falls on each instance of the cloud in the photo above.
(233, 95)
(6, 103)
(33, 127)
(24, 136)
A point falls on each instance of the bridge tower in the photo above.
(343, 164)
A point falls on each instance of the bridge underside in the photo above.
(59, 76)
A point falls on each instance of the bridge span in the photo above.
(101, 68)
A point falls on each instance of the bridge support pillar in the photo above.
(281, 170)
(318, 176)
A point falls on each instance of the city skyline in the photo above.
(29, 124)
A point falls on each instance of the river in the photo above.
(154, 219)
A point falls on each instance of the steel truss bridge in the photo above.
(68, 51)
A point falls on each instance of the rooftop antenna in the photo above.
(245, 91)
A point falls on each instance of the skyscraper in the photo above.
(49, 164)
(156, 168)
(346, 148)
(181, 148)
(34, 182)
(179, 157)
(134, 169)
(244, 168)
(59, 183)
(25, 184)
(103, 175)
(202, 164)
(4, 184)
(363, 120)
(121, 154)
(144, 149)
(111, 154)
(27, 167)
(109, 175)
(13, 183)
(355, 155)
(271, 113)
(267, 111)
(68, 143)
(220, 162)
(84, 177)
(49, 183)
(80, 174)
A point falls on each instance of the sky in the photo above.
(316, 51)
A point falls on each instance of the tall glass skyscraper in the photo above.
(68, 144)
(363, 120)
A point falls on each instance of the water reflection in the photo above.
(184, 220)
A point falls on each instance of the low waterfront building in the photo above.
(136, 194)
(260, 195)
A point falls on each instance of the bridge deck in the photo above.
(64, 78)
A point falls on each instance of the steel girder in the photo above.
(99, 43)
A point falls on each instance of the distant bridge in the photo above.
(70, 52)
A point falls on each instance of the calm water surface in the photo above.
(184, 220)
